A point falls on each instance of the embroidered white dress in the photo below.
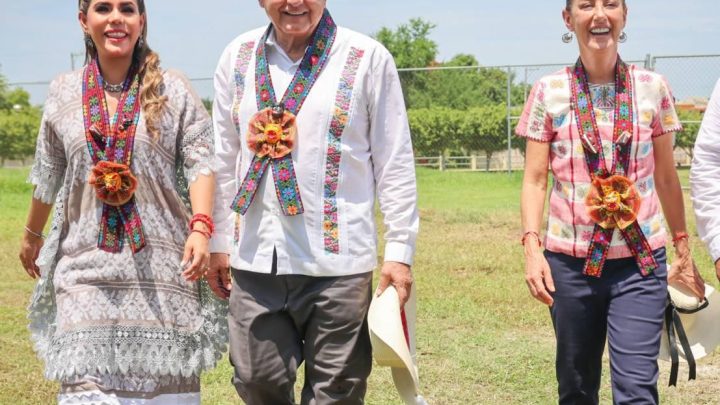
(123, 328)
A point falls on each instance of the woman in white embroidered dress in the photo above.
(117, 315)
(603, 271)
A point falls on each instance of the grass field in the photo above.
(481, 338)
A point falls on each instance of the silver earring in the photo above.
(89, 42)
(622, 37)
(567, 37)
(140, 43)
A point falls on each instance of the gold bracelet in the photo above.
(33, 233)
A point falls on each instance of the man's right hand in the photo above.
(218, 275)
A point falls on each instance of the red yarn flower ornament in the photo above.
(613, 202)
(114, 182)
(272, 132)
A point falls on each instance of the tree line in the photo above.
(456, 108)
(19, 123)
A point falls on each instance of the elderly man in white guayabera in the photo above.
(310, 127)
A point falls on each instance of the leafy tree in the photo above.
(484, 129)
(18, 132)
(462, 89)
(434, 130)
(409, 43)
(685, 139)
(19, 123)
(208, 102)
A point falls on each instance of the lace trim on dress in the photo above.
(97, 397)
(47, 177)
(120, 349)
(197, 153)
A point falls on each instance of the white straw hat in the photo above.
(701, 327)
(392, 334)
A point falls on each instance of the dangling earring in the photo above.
(567, 37)
(140, 43)
(622, 37)
(89, 42)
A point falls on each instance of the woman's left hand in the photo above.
(684, 272)
(196, 249)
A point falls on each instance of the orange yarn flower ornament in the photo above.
(272, 132)
(114, 182)
(613, 202)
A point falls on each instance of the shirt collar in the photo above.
(273, 46)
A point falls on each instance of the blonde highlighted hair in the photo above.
(148, 62)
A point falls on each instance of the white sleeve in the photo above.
(705, 176)
(392, 159)
(227, 154)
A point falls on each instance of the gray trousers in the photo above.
(277, 322)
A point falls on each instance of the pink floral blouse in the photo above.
(548, 117)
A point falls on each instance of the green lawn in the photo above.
(481, 338)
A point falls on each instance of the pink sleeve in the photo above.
(535, 122)
(666, 120)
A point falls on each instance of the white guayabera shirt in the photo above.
(705, 176)
(340, 173)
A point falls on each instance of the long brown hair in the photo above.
(148, 62)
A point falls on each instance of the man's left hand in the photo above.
(400, 276)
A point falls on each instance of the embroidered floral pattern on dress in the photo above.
(537, 115)
(340, 118)
(71, 266)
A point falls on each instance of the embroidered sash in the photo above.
(272, 129)
(110, 148)
(613, 202)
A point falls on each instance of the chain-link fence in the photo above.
(472, 138)
(463, 117)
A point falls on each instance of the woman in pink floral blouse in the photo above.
(604, 128)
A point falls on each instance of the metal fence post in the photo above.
(509, 132)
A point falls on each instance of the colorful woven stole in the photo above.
(312, 64)
(592, 146)
(111, 147)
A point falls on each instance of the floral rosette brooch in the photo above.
(272, 132)
(613, 202)
(114, 182)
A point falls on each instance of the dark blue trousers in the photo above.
(623, 306)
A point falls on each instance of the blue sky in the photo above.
(38, 36)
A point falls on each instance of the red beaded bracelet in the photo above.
(204, 219)
(680, 236)
(525, 235)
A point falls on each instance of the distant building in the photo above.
(692, 104)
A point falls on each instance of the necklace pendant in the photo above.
(113, 88)
(278, 110)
